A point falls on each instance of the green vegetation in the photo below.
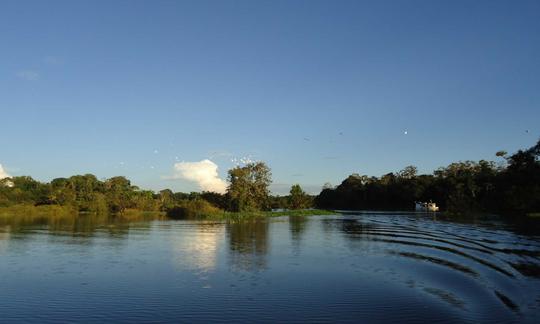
(248, 187)
(31, 210)
(512, 186)
(194, 209)
(298, 199)
(203, 210)
(262, 214)
(79, 193)
(247, 197)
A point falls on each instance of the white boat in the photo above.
(424, 206)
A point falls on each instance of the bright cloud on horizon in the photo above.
(3, 173)
(204, 173)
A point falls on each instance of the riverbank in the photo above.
(296, 212)
(25, 211)
(31, 210)
(217, 214)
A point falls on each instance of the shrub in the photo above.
(193, 209)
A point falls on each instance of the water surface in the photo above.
(365, 266)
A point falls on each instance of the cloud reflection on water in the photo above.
(197, 249)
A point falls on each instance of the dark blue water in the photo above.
(364, 267)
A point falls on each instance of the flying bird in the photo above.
(306, 139)
(405, 132)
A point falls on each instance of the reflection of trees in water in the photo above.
(248, 243)
(354, 227)
(197, 247)
(357, 235)
(75, 225)
(328, 226)
(350, 227)
(5, 235)
(297, 227)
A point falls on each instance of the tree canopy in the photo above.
(248, 191)
(298, 199)
(249, 187)
(512, 185)
(459, 187)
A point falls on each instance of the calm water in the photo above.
(357, 267)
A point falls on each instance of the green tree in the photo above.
(144, 200)
(62, 192)
(29, 191)
(298, 199)
(409, 172)
(248, 187)
(85, 187)
(119, 193)
(520, 182)
(166, 198)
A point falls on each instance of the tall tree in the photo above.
(119, 193)
(409, 172)
(248, 187)
(298, 199)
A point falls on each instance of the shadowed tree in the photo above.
(409, 172)
(459, 187)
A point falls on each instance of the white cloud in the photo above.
(204, 173)
(28, 75)
(3, 173)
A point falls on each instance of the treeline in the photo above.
(248, 191)
(84, 193)
(296, 199)
(513, 185)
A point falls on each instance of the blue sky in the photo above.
(317, 89)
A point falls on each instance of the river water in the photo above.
(355, 267)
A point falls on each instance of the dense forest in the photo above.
(247, 192)
(512, 185)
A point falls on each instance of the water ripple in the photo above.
(358, 267)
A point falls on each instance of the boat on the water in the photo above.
(426, 206)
